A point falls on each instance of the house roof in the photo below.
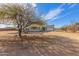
(35, 25)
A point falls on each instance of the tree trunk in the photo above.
(20, 33)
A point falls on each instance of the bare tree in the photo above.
(21, 15)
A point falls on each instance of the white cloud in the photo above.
(34, 4)
(53, 13)
(61, 5)
(66, 14)
(72, 5)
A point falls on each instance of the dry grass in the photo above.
(50, 43)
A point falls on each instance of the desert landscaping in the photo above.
(28, 29)
(42, 44)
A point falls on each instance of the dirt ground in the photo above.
(39, 44)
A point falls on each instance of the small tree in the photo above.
(21, 15)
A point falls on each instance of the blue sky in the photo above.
(57, 13)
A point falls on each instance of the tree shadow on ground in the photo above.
(39, 45)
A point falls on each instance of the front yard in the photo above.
(37, 44)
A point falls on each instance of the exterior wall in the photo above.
(38, 29)
(50, 28)
(34, 30)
